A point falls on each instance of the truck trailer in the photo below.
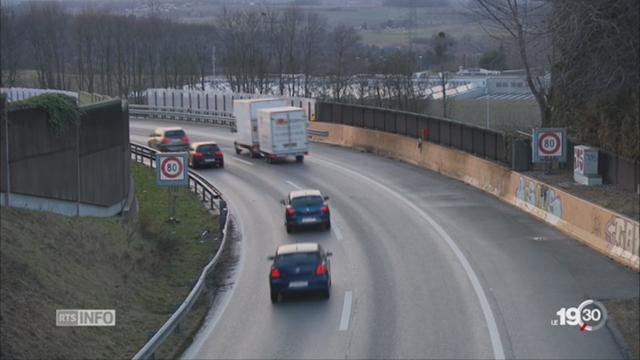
(245, 112)
(283, 132)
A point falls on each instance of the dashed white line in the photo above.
(346, 311)
(494, 333)
(336, 230)
(242, 161)
(292, 184)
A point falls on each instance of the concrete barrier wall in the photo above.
(603, 230)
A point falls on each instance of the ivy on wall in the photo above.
(62, 110)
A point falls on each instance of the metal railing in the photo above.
(490, 144)
(212, 117)
(212, 198)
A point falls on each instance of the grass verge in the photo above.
(143, 270)
(626, 315)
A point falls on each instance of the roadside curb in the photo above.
(618, 338)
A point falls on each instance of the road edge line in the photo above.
(492, 326)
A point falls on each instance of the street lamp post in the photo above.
(486, 94)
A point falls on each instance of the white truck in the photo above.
(245, 112)
(283, 132)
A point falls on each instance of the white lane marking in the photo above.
(218, 309)
(336, 231)
(292, 184)
(346, 311)
(494, 334)
(242, 161)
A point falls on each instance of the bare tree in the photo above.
(442, 49)
(311, 36)
(291, 21)
(345, 46)
(10, 41)
(524, 23)
(595, 72)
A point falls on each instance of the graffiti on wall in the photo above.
(623, 238)
(532, 194)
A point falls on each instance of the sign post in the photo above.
(549, 144)
(172, 172)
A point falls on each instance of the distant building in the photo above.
(476, 72)
(477, 83)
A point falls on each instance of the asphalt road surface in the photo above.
(423, 266)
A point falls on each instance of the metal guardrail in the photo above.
(208, 193)
(218, 118)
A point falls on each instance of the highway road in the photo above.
(423, 266)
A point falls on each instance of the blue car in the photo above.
(306, 208)
(300, 268)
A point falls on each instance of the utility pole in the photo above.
(5, 120)
(412, 20)
(213, 62)
(486, 94)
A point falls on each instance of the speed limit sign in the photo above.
(549, 143)
(171, 169)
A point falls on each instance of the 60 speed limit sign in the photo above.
(549, 143)
(171, 169)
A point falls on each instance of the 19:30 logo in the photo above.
(590, 315)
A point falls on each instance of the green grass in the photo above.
(360, 15)
(505, 115)
(398, 37)
(140, 269)
(176, 241)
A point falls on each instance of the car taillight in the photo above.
(321, 270)
(165, 141)
(325, 209)
(218, 154)
(198, 155)
(185, 139)
(275, 273)
(291, 212)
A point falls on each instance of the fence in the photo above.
(619, 170)
(482, 142)
(494, 145)
(212, 199)
(16, 94)
(86, 166)
(210, 117)
(218, 102)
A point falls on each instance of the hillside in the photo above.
(51, 262)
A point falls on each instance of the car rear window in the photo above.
(208, 148)
(307, 201)
(301, 258)
(174, 133)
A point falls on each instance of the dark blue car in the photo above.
(299, 268)
(306, 208)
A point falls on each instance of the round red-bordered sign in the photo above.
(165, 164)
(553, 150)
